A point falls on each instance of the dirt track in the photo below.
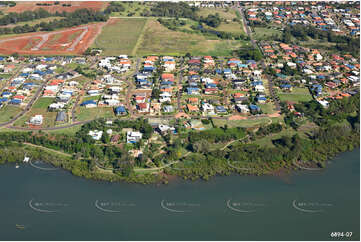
(22, 44)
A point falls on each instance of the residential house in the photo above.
(133, 136)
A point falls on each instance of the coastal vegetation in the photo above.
(195, 154)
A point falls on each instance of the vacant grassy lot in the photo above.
(8, 112)
(43, 102)
(267, 141)
(157, 39)
(267, 108)
(246, 123)
(120, 36)
(233, 27)
(227, 14)
(83, 114)
(262, 33)
(5, 76)
(298, 94)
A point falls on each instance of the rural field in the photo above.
(120, 36)
(141, 37)
(69, 41)
(31, 6)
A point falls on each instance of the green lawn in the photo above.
(5, 76)
(228, 14)
(69, 131)
(262, 33)
(267, 108)
(8, 112)
(246, 123)
(120, 36)
(84, 114)
(298, 94)
(267, 141)
(43, 102)
(87, 98)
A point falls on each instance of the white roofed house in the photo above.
(169, 66)
(27, 70)
(134, 136)
(73, 83)
(95, 134)
(163, 128)
(36, 120)
(115, 89)
(291, 64)
(41, 67)
(257, 73)
(112, 102)
(56, 106)
(93, 92)
(318, 57)
(259, 88)
(208, 108)
(242, 108)
(165, 97)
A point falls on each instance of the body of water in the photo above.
(54, 205)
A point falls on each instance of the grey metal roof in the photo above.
(61, 116)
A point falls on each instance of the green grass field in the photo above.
(120, 36)
(267, 141)
(267, 108)
(262, 33)
(246, 123)
(229, 15)
(157, 39)
(84, 114)
(43, 102)
(8, 112)
(298, 94)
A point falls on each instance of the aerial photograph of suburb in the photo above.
(180, 120)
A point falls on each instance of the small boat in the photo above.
(26, 159)
(19, 226)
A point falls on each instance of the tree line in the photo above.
(344, 43)
(69, 19)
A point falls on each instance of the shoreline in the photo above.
(163, 178)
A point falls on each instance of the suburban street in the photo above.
(255, 45)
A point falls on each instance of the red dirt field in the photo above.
(69, 41)
(24, 6)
